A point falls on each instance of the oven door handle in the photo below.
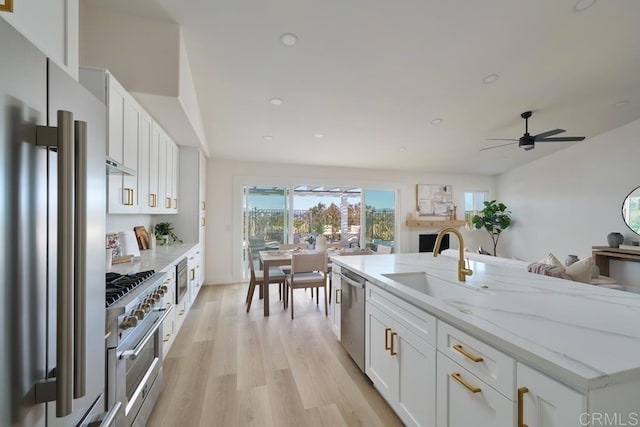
(135, 352)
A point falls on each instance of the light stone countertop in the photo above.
(156, 259)
(583, 335)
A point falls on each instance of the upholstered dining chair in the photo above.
(257, 278)
(308, 270)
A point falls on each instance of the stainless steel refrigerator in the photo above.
(52, 156)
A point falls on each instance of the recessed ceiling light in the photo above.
(267, 137)
(582, 5)
(621, 104)
(318, 135)
(276, 101)
(491, 78)
(436, 121)
(402, 149)
(288, 39)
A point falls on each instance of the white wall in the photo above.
(568, 202)
(224, 208)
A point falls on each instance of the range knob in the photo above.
(159, 292)
(138, 313)
(154, 298)
(145, 307)
(129, 322)
(164, 288)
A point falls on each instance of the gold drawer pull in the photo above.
(521, 393)
(167, 202)
(466, 354)
(203, 221)
(338, 292)
(166, 338)
(386, 338)
(181, 312)
(456, 376)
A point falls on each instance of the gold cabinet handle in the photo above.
(521, 393)
(339, 300)
(203, 221)
(181, 312)
(7, 6)
(193, 274)
(386, 339)
(166, 338)
(167, 202)
(127, 197)
(153, 200)
(391, 350)
(456, 376)
(203, 205)
(175, 203)
(466, 354)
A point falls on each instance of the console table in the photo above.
(601, 255)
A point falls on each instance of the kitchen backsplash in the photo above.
(118, 223)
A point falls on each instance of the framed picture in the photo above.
(434, 200)
(6, 6)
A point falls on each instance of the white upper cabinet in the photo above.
(136, 141)
(51, 25)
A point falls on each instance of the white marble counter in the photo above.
(583, 335)
(154, 259)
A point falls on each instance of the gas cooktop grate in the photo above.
(118, 285)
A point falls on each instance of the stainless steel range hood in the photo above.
(115, 168)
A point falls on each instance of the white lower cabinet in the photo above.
(336, 283)
(402, 366)
(465, 400)
(544, 402)
(193, 272)
(168, 325)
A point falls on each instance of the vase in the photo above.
(615, 239)
(570, 260)
(163, 240)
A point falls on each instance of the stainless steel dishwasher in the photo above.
(352, 315)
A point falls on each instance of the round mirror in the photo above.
(631, 211)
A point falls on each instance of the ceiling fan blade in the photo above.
(498, 146)
(548, 133)
(503, 139)
(562, 139)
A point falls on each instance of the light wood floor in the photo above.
(231, 368)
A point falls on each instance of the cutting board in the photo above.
(142, 237)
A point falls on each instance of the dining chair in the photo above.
(307, 271)
(384, 249)
(257, 278)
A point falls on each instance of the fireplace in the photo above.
(428, 241)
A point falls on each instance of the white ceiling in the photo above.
(370, 76)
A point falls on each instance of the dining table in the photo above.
(275, 258)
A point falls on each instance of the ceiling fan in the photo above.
(528, 142)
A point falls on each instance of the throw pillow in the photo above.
(580, 271)
(548, 270)
(552, 260)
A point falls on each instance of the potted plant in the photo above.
(164, 231)
(495, 218)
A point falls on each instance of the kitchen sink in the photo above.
(429, 285)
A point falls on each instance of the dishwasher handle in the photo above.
(352, 282)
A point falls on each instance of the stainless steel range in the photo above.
(136, 308)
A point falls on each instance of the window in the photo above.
(473, 202)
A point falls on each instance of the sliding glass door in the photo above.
(379, 218)
(266, 217)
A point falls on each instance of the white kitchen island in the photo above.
(552, 352)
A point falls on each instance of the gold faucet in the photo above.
(463, 271)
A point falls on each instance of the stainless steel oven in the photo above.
(134, 351)
(181, 280)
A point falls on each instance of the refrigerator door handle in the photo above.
(45, 390)
(80, 272)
